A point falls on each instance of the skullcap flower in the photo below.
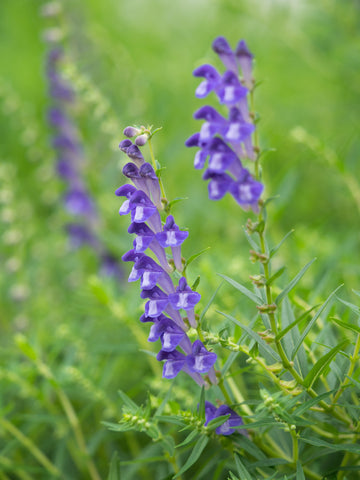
(200, 360)
(184, 297)
(222, 48)
(228, 427)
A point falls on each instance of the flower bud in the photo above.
(141, 139)
(131, 132)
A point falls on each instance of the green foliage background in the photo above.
(138, 57)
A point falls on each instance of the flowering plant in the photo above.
(297, 402)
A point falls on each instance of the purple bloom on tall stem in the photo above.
(225, 170)
(173, 237)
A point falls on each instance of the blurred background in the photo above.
(131, 62)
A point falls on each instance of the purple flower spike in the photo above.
(78, 202)
(144, 236)
(245, 59)
(175, 361)
(247, 191)
(168, 331)
(219, 184)
(227, 428)
(200, 360)
(231, 90)
(141, 207)
(211, 82)
(125, 191)
(222, 48)
(173, 237)
(125, 144)
(65, 169)
(238, 130)
(184, 297)
(152, 183)
(134, 153)
(157, 303)
(130, 170)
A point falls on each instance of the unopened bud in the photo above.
(131, 132)
(141, 140)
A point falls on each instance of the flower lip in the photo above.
(126, 190)
(200, 360)
(125, 144)
(242, 50)
(221, 46)
(209, 114)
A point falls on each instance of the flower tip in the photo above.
(131, 132)
(141, 140)
(221, 46)
(242, 50)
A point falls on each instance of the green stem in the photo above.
(29, 445)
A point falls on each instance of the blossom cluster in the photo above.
(166, 298)
(225, 142)
(70, 159)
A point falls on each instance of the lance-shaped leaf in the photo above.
(299, 471)
(114, 472)
(276, 248)
(255, 298)
(310, 403)
(347, 326)
(353, 308)
(241, 470)
(321, 364)
(293, 282)
(312, 321)
(341, 447)
(194, 455)
(254, 336)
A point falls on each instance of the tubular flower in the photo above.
(166, 299)
(231, 425)
(226, 142)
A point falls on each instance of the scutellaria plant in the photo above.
(303, 421)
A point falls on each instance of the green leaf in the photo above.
(353, 308)
(356, 292)
(114, 473)
(189, 439)
(341, 447)
(233, 477)
(252, 242)
(177, 200)
(347, 326)
(202, 404)
(255, 298)
(194, 455)
(276, 275)
(168, 444)
(194, 257)
(283, 332)
(293, 282)
(161, 407)
(299, 471)
(310, 403)
(170, 419)
(203, 313)
(276, 248)
(321, 364)
(312, 321)
(255, 336)
(128, 402)
(216, 422)
(241, 470)
(250, 447)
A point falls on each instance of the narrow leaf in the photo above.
(321, 364)
(312, 321)
(276, 248)
(299, 471)
(347, 326)
(353, 308)
(114, 472)
(255, 298)
(189, 439)
(283, 332)
(216, 422)
(293, 282)
(310, 403)
(194, 456)
(341, 447)
(241, 470)
(255, 336)
(276, 275)
(128, 402)
(203, 313)
(202, 405)
(194, 257)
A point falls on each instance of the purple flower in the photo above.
(231, 90)
(246, 190)
(158, 301)
(168, 331)
(200, 360)
(211, 82)
(228, 427)
(186, 299)
(175, 362)
(222, 48)
(173, 237)
(245, 58)
(219, 184)
(110, 266)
